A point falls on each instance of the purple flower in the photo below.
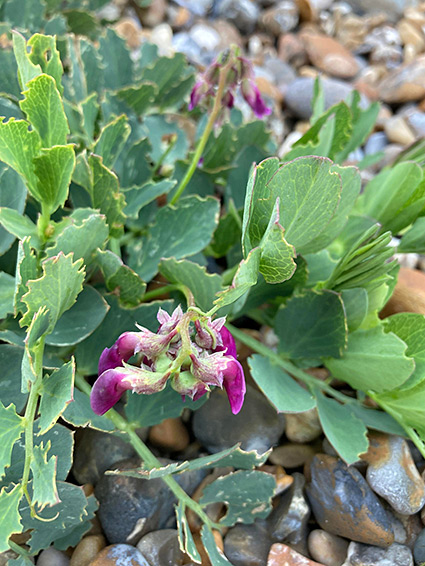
(252, 95)
(120, 352)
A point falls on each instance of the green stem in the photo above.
(30, 416)
(287, 365)
(18, 549)
(115, 247)
(43, 223)
(155, 293)
(161, 160)
(217, 107)
(146, 455)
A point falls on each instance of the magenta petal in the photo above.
(234, 384)
(229, 346)
(120, 352)
(196, 95)
(253, 97)
(107, 390)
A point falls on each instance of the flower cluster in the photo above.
(189, 349)
(240, 73)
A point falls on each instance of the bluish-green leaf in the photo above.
(12, 198)
(54, 168)
(26, 269)
(10, 520)
(10, 382)
(356, 304)
(111, 140)
(80, 414)
(19, 225)
(139, 197)
(215, 554)
(43, 477)
(11, 428)
(184, 533)
(246, 276)
(413, 241)
(7, 293)
(56, 394)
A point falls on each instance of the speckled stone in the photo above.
(119, 555)
(256, 427)
(326, 548)
(288, 520)
(367, 555)
(161, 548)
(87, 549)
(392, 473)
(248, 545)
(344, 504)
(283, 555)
(52, 557)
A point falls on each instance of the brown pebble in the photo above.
(119, 555)
(198, 542)
(409, 293)
(330, 56)
(283, 480)
(283, 555)
(87, 549)
(302, 427)
(291, 50)
(398, 131)
(128, 29)
(171, 434)
(329, 549)
(291, 455)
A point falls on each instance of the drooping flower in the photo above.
(189, 349)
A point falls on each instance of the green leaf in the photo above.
(11, 428)
(43, 477)
(116, 321)
(344, 430)
(13, 194)
(112, 139)
(202, 284)
(356, 303)
(19, 225)
(139, 197)
(410, 327)
(81, 22)
(56, 394)
(117, 63)
(227, 234)
(216, 556)
(82, 236)
(175, 233)
(10, 384)
(80, 414)
(18, 148)
(149, 410)
(57, 288)
(312, 325)
(281, 389)
(120, 278)
(408, 404)
(45, 54)
(184, 533)
(373, 360)
(75, 534)
(135, 171)
(44, 109)
(247, 494)
(246, 276)
(377, 420)
(26, 269)
(7, 294)
(90, 110)
(38, 327)
(25, 14)
(139, 98)
(389, 196)
(26, 68)
(413, 241)
(54, 169)
(10, 520)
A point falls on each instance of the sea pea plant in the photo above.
(109, 182)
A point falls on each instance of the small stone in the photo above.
(310, 10)
(198, 7)
(283, 480)
(408, 295)
(282, 555)
(256, 427)
(205, 36)
(87, 549)
(97, 451)
(376, 143)
(367, 555)
(288, 520)
(119, 555)
(130, 31)
(410, 527)
(248, 545)
(154, 14)
(398, 131)
(171, 435)
(291, 455)
(328, 549)
(291, 50)
(344, 504)
(161, 548)
(419, 549)
(330, 56)
(303, 427)
(405, 83)
(409, 33)
(280, 18)
(162, 37)
(416, 121)
(393, 9)
(243, 13)
(52, 557)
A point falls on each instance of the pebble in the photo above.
(392, 473)
(393, 9)
(408, 295)
(119, 555)
(291, 50)
(299, 94)
(171, 435)
(303, 427)
(146, 505)
(330, 56)
(367, 555)
(154, 14)
(292, 455)
(283, 555)
(416, 121)
(243, 13)
(288, 520)
(52, 557)
(96, 452)
(326, 548)
(404, 83)
(248, 545)
(281, 18)
(410, 34)
(87, 549)
(411, 526)
(398, 131)
(376, 142)
(161, 548)
(344, 504)
(256, 427)
(419, 549)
